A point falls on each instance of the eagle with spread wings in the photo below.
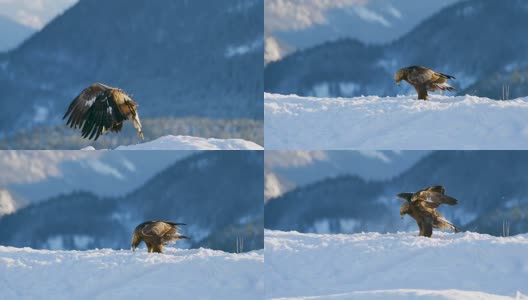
(423, 80)
(421, 206)
(155, 234)
(101, 108)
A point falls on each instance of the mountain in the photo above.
(12, 33)
(210, 191)
(290, 169)
(465, 40)
(371, 21)
(176, 58)
(34, 176)
(8, 205)
(482, 181)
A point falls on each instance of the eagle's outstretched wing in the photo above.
(80, 105)
(435, 188)
(431, 199)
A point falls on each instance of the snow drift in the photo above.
(395, 266)
(180, 142)
(397, 123)
(108, 274)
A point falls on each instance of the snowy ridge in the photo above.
(409, 294)
(395, 266)
(402, 123)
(108, 274)
(181, 142)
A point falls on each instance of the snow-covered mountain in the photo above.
(33, 176)
(12, 33)
(465, 40)
(286, 170)
(491, 187)
(217, 193)
(401, 123)
(303, 24)
(163, 53)
(8, 205)
(109, 274)
(370, 266)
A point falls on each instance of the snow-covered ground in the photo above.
(396, 123)
(395, 266)
(181, 142)
(108, 274)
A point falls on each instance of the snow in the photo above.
(409, 294)
(399, 123)
(109, 274)
(395, 266)
(180, 142)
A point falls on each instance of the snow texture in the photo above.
(397, 123)
(181, 142)
(395, 266)
(109, 274)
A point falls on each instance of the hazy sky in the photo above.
(34, 13)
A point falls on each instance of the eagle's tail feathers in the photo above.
(137, 124)
(445, 87)
(445, 76)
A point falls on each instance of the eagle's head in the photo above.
(399, 76)
(136, 240)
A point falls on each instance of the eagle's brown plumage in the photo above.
(155, 234)
(421, 206)
(101, 108)
(423, 80)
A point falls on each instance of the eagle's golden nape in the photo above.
(156, 234)
(421, 206)
(101, 108)
(423, 80)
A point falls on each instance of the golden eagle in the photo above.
(423, 80)
(155, 234)
(101, 108)
(422, 207)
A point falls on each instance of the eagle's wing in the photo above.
(431, 199)
(435, 188)
(443, 223)
(158, 229)
(174, 224)
(421, 75)
(404, 196)
(101, 117)
(80, 105)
